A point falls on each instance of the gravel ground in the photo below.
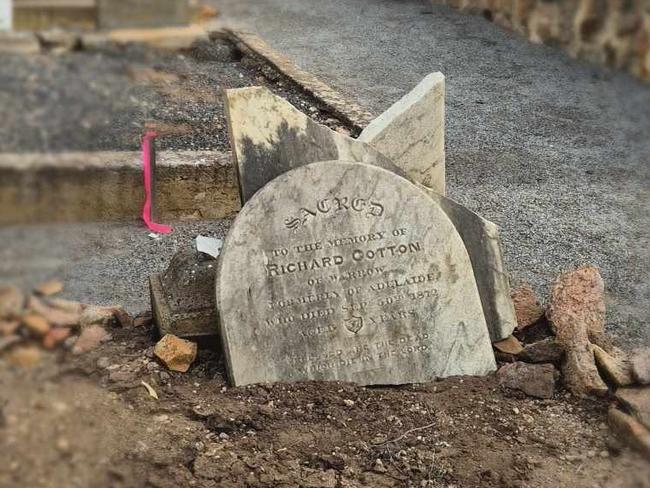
(555, 151)
(104, 99)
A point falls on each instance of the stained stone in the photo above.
(345, 271)
(411, 133)
(269, 136)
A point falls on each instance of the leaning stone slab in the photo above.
(412, 133)
(269, 137)
(483, 243)
(345, 271)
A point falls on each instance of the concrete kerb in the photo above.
(105, 186)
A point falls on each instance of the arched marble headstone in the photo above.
(345, 271)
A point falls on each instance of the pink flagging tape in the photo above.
(146, 168)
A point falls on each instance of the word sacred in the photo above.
(357, 255)
(336, 204)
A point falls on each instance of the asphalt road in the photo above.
(556, 151)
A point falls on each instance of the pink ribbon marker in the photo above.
(147, 169)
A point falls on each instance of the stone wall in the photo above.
(612, 32)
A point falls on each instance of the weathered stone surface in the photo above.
(344, 271)
(19, 43)
(55, 316)
(577, 312)
(175, 353)
(636, 401)
(527, 307)
(411, 133)
(483, 244)
(11, 302)
(511, 345)
(90, 338)
(640, 360)
(578, 300)
(269, 137)
(630, 430)
(537, 380)
(615, 367)
(544, 351)
(183, 298)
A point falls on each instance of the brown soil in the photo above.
(89, 422)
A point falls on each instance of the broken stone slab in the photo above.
(411, 133)
(328, 274)
(545, 351)
(182, 297)
(614, 367)
(527, 307)
(510, 345)
(537, 380)
(637, 402)
(483, 244)
(269, 137)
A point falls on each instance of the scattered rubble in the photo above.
(537, 380)
(527, 307)
(175, 353)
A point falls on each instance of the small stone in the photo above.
(122, 376)
(537, 380)
(378, 466)
(544, 351)
(640, 360)
(511, 345)
(11, 302)
(63, 445)
(348, 402)
(637, 402)
(175, 353)
(8, 341)
(103, 362)
(527, 307)
(48, 288)
(36, 325)
(24, 356)
(631, 431)
(111, 316)
(70, 306)
(223, 436)
(55, 337)
(90, 338)
(8, 327)
(616, 369)
(144, 320)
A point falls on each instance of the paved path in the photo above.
(555, 151)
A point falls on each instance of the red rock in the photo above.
(90, 337)
(12, 301)
(51, 287)
(527, 307)
(35, 324)
(537, 380)
(55, 337)
(175, 353)
(510, 345)
(577, 313)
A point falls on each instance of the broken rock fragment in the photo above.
(577, 312)
(90, 338)
(56, 336)
(56, 317)
(615, 367)
(51, 287)
(637, 402)
(527, 307)
(630, 430)
(640, 360)
(175, 353)
(11, 302)
(36, 325)
(545, 351)
(511, 345)
(537, 380)
(111, 316)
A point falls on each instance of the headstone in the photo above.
(411, 133)
(269, 137)
(483, 243)
(182, 298)
(6, 14)
(345, 271)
